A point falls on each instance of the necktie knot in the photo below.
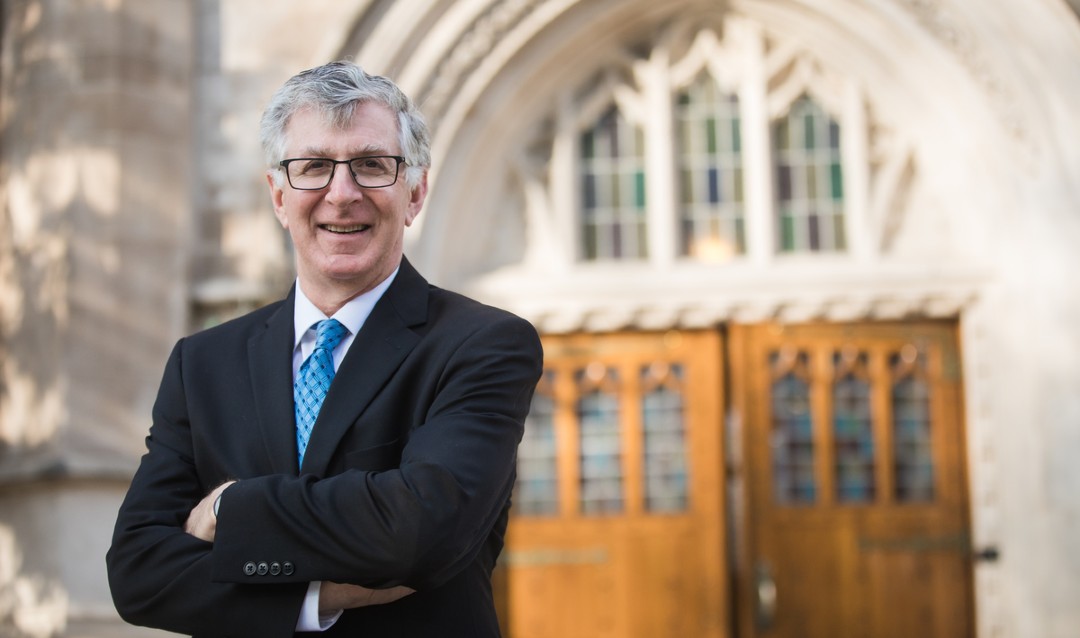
(328, 334)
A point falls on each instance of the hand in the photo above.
(202, 522)
(337, 596)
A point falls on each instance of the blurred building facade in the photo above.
(760, 237)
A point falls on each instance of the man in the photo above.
(268, 504)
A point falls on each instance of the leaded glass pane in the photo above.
(663, 421)
(853, 433)
(792, 442)
(537, 491)
(809, 180)
(913, 454)
(601, 444)
(613, 190)
(711, 207)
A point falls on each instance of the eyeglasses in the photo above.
(315, 173)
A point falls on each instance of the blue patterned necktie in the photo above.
(313, 380)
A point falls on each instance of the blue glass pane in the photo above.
(913, 453)
(536, 491)
(601, 452)
(853, 440)
(792, 442)
(665, 462)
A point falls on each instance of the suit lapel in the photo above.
(270, 366)
(382, 344)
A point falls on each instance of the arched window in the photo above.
(711, 200)
(613, 190)
(685, 155)
(809, 180)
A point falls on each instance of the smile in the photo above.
(344, 230)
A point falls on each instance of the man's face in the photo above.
(347, 238)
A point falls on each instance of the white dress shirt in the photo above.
(305, 315)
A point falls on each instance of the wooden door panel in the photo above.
(856, 523)
(630, 541)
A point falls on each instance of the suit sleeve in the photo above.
(421, 523)
(161, 576)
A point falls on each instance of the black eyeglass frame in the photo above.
(400, 159)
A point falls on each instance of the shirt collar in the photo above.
(352, 315)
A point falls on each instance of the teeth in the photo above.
(345, 229)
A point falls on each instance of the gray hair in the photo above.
(335, 89)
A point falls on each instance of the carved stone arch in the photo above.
(710, 54)
(533, 63)
(611, 88)
(792, 73)
(517, 73)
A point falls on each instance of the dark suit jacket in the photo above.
(406, 479)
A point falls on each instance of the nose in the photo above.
(342, 188)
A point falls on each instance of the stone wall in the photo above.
(95, 181)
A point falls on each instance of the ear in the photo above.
(276, 196)
(416, 200)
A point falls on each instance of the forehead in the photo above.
(372, 128)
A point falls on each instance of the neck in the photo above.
(330, 298)
(330, 295)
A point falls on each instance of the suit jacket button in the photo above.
(263, 568)
(275, 568)
(249, 568)
(287, 568)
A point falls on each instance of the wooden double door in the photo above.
(764, 481)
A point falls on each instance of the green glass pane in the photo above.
(710, 134)
(782, 134)
(811, 182)
(639, 189)
(588, 146)
(787, 233)
(738, 179)
(686, 186)
(740, 235)
(836, 178)
(808, 131)
(736, 136)
(642, 245)
(588, 238)
(616, 195)
(838, 229)
(639, 142)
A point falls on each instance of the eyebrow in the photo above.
(370, 149)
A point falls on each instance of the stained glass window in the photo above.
(711, 213)
(913, 457)
(613, 190)
(537, 491)
(853, 433)
(809, 180)
(792, 442)
(666, 472)
(601, 444)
